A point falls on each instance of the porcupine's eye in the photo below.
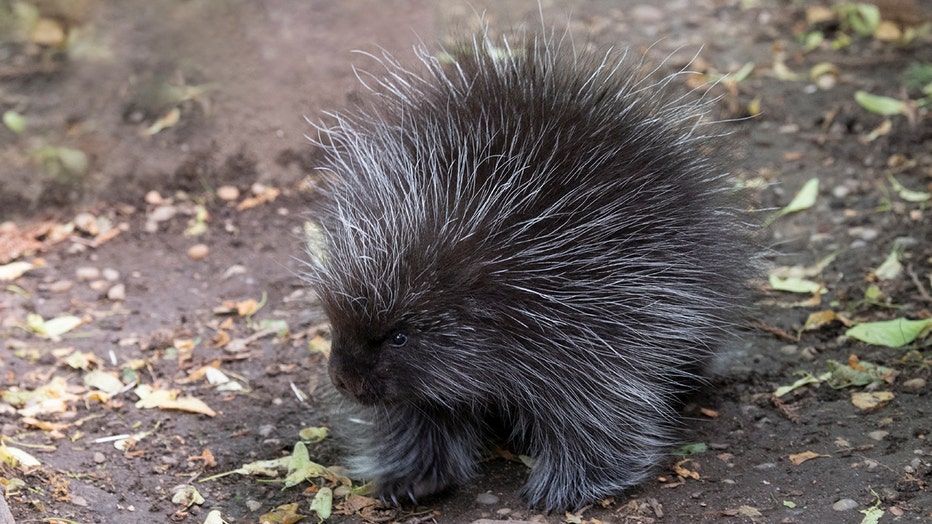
(399, 339)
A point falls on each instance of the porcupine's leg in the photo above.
(578, 465)
(413, 452)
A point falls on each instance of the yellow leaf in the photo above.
(872, 400)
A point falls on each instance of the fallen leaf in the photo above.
(167, 120)
(808, 378)
(168, 399)
(799, 458)
(795, 285)
(680, 469)
(804, 199)
(14, 121)
(52, 328)
(313, 435)
(214, 517)
(319, 346)
(891, 268)
(187, 496)
(822, 318)
(881, 105)
(206, 456)
(872, 400)
(106, 382)
(322, 504)
(891, 333)
(14, 270)
(859, 374)
(907, 194)
(16, 457)
(691, 449)
(871, 515)
(284, 514)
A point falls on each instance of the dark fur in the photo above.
(558, 253)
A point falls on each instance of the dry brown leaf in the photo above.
(822, 318)
(220, 340)
(247, 307)
(799, 458)
(206, 456)
(681, 469)
(355, 503)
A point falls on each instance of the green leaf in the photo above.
(843, 375)
(861, 17)
(742, 73)
(692, 449)
(804, 199)
(871, 515)
(908, 194)
(794, 284)
(52, 328)
(14, 121)
(808, 378)
(881, 105)
(323, 503)
(891, 268)
(313, 434)
(301, 468)
(891, 333)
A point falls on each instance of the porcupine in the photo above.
(523, 245)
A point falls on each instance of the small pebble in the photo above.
(253, 505)
(99, 285)
(198, 251)
(878, 435)
(840, 191)
(227, 193)
(845, 505)
(647, 13)
(915, 384)
(154, 198)
(864, 233)
(87, 273)
(99, 458)
(162, 213)
(117, 292)
(110, 274)
(486, 499)
(266, 430)
(60, 286)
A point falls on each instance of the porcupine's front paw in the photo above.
(411, 489)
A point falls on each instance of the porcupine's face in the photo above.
(382, 357)
(368, 365)
(415, 335)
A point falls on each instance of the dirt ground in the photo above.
(157, 188)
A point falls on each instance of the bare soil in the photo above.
(249, 73)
